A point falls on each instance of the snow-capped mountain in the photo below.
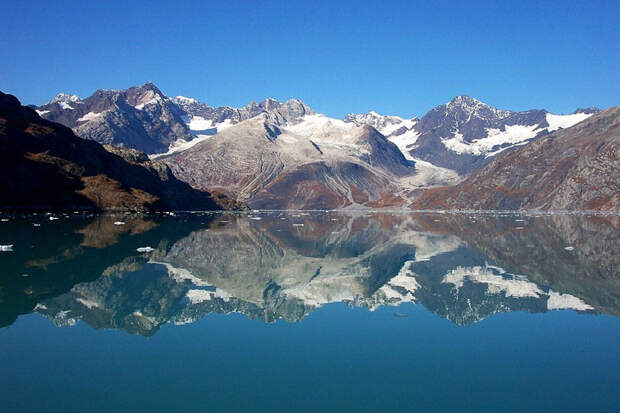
(570, 169)
(290, 157)
(285, 155)
(205, 121)
(464, 133)
(140, 117)
(458, 136)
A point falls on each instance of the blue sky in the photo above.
(395, 57)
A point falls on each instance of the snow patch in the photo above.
(405, 140)
(565, 121)
(65, 105)
(199, 123)
(322, 129)
(186, 99)
(512, 135)
(90, 116)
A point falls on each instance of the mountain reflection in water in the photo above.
(285, 265)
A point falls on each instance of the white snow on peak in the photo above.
(512, 135)
(565, 121)
(321, 129)
(199, 123)
(186, 99)
(388, 126)
(64, 97)
(65, 105)
(90, 116)
(558, 301)
(42, 112)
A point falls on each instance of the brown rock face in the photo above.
(573, 169)
(43, 165)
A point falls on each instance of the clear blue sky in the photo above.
(394, 57)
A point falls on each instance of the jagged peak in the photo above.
(64, 98)
(150, 85)
(465, 100)
(472, 106)
(590, 110)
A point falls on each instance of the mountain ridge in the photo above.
(573, 168)
(45, 166)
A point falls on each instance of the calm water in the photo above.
(310, 312)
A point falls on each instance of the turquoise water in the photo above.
(347, 312)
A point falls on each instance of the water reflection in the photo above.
(285, 265)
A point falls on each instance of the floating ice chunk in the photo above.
(119, 223)
(4, 220)
(36, 225)
(6, 248)
(569, 248)
(53, 218)
(145, 249)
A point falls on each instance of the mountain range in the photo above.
(575, 168)
(284, 155)
(44, 166)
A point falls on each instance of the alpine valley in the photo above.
(283, 155)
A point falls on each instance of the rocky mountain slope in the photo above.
(459, 136)
(141, 117)
(284, 155)
(464, 134)
(291, 158)
(43, 165)
(572, 169)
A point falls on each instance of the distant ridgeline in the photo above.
(274, 155)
